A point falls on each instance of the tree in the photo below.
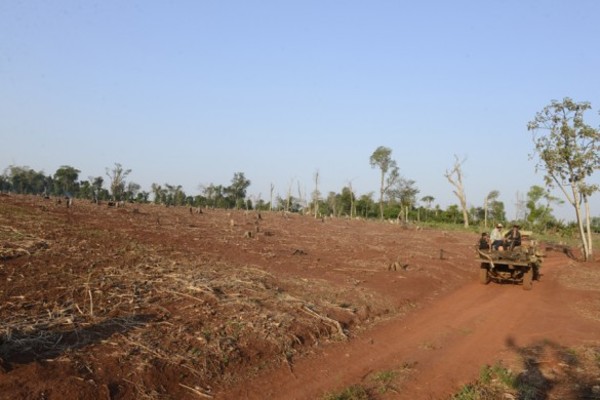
(496, 211)
(302, 198)
(174, 195)
(382, 159)
(365, 206)
(97, 183)
(454, 176)
(569, 152)
(452, 213)
(85, 190)
(316, 194)
(520, 207)
(347, 201)
(25, 180)
(491, 196)
(331, 203)
(288, 201)
(142, 197)
(428, 200)
(237, 189)
(132, 191)
(539, 215)
(4, 183)
(406, 193)
(160, 194)
(117, 177)
(209, 192)
(65, 178)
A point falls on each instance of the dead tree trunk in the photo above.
(454, 176)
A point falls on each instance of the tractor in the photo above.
(519, 264)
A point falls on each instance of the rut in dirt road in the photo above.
(440, 347)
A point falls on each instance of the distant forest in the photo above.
(400, 202)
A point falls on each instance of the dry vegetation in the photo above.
(146, 302)
(162, 303)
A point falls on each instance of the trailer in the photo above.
(519, 265)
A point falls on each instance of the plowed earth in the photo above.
(150, 302)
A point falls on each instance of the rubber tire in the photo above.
(484, 275)
(528, 279)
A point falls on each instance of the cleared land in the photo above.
(160, 303)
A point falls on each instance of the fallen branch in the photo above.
(199, 393)
(326, 319)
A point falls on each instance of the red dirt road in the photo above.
(444, 345)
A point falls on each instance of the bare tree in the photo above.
(520, 206)
(271, 198)
(302, 200)
(117, 177)
(455, 176)
(316, 194)
(352, 207)
(289, 196)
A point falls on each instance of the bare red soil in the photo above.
(161, 303)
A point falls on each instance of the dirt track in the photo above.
(444, 345)
(158, 303)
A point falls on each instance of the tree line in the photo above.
(566, 148)
(398, 199)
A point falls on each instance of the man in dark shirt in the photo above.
(513, 237)
(484, 241)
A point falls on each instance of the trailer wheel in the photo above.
(527, 279)
(484, 275)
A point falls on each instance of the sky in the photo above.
(190, 92)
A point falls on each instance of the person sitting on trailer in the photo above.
(496, 238)
(484, 241)
(513, 238)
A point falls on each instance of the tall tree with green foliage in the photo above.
(365, 206)
(65, 179)
(347, 201)
(132, 191)
(496, 211)
(405, 192)
(452, 213)
(25, 180)
(539, 215)
(175, 196)
(382, 159)
(237, 189)
(97, 183)
(428, 200)
(568, 152)
(160, 193)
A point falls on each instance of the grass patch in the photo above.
(385, 381)
(495, 382)
(354, 392)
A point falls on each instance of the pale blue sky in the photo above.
(190, 92)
